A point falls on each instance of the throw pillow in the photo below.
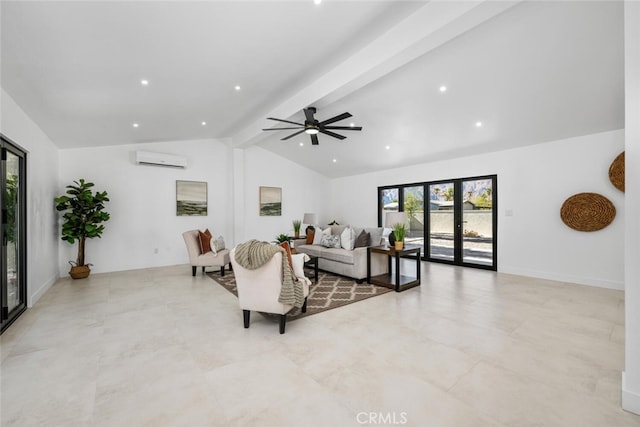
(362, 241)
(287, 249)
(217, 245)
(317, 239)
(347, 240)
(310, 234)
(329, 241)
(205, 241)
(298, 264)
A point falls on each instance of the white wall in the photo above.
(143, 202)
(42, 176)
(631, 375)
(303, 191)
(533, 182)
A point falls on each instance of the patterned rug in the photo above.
(331, 291)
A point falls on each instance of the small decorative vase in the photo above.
(392, 239)
(399, 245)
(296, 234)
(79, 272)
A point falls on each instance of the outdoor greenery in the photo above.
(84, 215)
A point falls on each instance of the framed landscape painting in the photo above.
(270, 201)
(191, 198)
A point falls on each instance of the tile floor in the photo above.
(157, 347)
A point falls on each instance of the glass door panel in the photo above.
(413, 206)
(389, 199)
(477, 222)
(441, 221)
(13, 254)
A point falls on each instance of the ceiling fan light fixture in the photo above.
(312, 131)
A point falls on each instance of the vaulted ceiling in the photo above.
(529, 72)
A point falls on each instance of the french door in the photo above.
(13, 280)
(462, 222)
(453, 221)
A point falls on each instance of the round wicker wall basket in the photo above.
(616, 172)
(587, 212)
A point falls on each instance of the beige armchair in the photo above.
(259, 289)
(209, 259)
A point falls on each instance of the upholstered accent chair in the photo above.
(259, 289)
(209, 259)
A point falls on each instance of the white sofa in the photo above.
(351, 263)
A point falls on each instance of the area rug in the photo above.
(331, 291)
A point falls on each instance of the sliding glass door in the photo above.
(454, 221)
(13, 232)
(462, 222)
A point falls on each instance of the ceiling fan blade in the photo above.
(308, 113)
(343, 127)
(282, 128)
(335, 135)
(292, 135)
(314, 139)
(335, 119)
(285, 121)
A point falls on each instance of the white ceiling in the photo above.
(530, 71)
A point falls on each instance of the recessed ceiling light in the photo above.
(335, 160)
(317, 1)
(135, 125)
(203, 123)
(144, 82)
(237, 87)
(443, 88)
(302, 144)
(352, 124)
(478, 124)
(387, 147)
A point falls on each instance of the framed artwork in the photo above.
(191, 198)
(270, 201)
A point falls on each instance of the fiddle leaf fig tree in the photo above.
(83, 214)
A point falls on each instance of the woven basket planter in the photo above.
(80, 272)
(587, 212)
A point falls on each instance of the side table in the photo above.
(398, 282)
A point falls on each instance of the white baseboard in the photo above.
(35, 296)
(588, 281)
(630, 399)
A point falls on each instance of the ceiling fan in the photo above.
(313, 126)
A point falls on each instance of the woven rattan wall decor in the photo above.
(587, 212)
(616, 172)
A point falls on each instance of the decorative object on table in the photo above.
(587, 212)
(296, 228)
(330, 291)
(83, 218)
(281, 238)
(312, 126)
(310, 219)
(334, 222)
(270, 201)
(191, 198)
(399, 233)
(393, 218)
(616, 172)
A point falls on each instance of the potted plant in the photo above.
(399, 232)
(83, 217)
(281, 238)
(296, 227)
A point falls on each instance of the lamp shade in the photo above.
(393, 218)
(310, 218)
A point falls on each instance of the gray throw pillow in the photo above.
(363, 239)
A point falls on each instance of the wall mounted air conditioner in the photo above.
(160, 159)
